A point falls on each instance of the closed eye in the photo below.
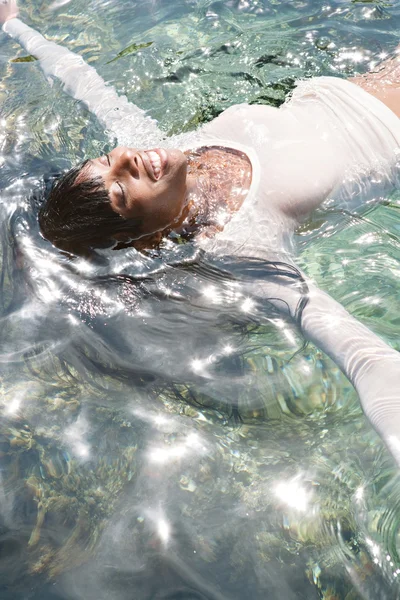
(122, 192)
(117, 182)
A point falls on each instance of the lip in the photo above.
(147, 163)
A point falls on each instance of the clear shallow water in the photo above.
(125, 468)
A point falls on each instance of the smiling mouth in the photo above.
(158, 160)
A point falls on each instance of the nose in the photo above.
(125, 160)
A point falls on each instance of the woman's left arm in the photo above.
(80, 80)
(366, 360)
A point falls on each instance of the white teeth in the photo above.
(155, 162)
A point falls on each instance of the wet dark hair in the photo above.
(77, 214)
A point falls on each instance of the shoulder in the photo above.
(235, 118)
(247, 111)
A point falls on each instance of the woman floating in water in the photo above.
(239, 186)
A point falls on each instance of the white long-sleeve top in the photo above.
(331, 142)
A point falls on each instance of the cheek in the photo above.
(173, 194)
(179, 184)
(175, 199)
(163, 203)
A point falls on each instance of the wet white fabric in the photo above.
(81, 81)
(330, 142)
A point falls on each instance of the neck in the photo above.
(196, 210)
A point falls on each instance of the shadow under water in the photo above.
(165, 431)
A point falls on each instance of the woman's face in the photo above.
(149, 185)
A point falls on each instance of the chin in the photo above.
(178, 167)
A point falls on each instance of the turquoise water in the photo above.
(124, 471)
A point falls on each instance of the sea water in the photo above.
(162, 436)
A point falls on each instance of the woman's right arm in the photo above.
(80, 80)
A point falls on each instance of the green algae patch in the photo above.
(130, 50)
(24, 59)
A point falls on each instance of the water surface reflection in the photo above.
(160, 436)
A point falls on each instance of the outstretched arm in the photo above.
(81, 81)
(370, 364)
(366, 360)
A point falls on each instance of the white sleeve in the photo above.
(366, 360)
(122, 119)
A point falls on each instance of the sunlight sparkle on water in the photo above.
(164, 530)
(156, 419)
(160, 420)
(375, 549)
(228, 349)
(83, 266)
(49, 292)
(367, 13)
(394, 444)
(75, 436)
(159, 523)
(293, 494)
(248, 305)
(212, 294)
(371, 300)
(306, 368)
(279, 323)
(359, 493)
(47, 265)
(289, 336)
(73, 320)
(58, 4)
(165, 455)
(193, 440)
(192, 444)
(367, 238)
(198, 366)
(81, 449)
(355, 56)
(14, 406)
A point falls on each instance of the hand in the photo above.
(8, 10)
